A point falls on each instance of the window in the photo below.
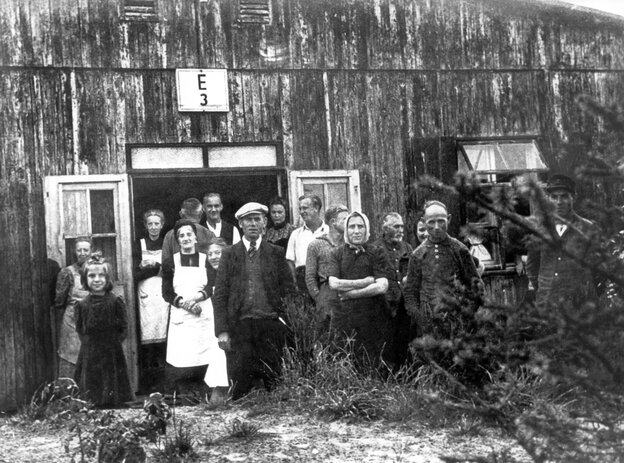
(254, 11)
(203, 156)
(497, 163)
(332, 186)
(140, 10)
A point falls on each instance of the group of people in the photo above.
(211, 293)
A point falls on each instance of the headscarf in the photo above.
(357, 247)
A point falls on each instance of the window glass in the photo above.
(338, 194)
(75, 221)
(177, 157)
(497, 164)
(102, 211)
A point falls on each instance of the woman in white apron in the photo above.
(216, 375)
(190, 341)
(153, 309)
(69, 291)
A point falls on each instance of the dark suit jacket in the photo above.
(230, 288)
(227, 230)
(556, 275)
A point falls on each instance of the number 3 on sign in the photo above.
(203, 90)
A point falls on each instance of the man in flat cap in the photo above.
(553, 269)
(252, 279)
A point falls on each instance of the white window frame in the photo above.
(299, 178)
(54, 187)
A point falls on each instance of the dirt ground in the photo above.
(284, 437)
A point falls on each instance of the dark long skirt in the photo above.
(101, 370)
(367, 322)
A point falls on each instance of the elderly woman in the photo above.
(69, 291)
(185, 286)
(153, 309)
(216, 375)
(280, 229)
(358, 272)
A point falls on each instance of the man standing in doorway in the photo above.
(213, 205)
(397, 252)
(313, 226)
(252, 280)
(552, 271)
(435, 269)
(317, 261)
(191, 209)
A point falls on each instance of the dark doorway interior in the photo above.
(166, 192)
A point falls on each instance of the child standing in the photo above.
(102, 324)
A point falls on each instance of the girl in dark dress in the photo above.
(102, 324)
(358, 272)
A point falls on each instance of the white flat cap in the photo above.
(251, 208)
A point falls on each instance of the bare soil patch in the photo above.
(283, 436)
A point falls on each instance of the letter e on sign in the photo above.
(203, 90)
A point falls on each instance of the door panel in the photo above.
(98, 206)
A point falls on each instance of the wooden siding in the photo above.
(334, 34)
(341, 84)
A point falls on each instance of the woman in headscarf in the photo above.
(69, 291)
(358, 272)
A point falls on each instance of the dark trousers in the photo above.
(402, 334)
(256, 354)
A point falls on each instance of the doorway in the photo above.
(166, 190)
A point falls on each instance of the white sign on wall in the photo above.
(204, 90)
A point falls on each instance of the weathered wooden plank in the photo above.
(308, 126)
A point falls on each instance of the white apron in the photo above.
(191, 337)
(153, 309)
(69, 342)
(216, 374)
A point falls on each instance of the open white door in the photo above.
(99, 206)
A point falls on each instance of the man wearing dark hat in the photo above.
(252, 279)
(551, 268)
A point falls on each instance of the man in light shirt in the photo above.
(212, 206)
(313, 226)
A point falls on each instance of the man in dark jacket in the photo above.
(438, 268)
(397, 251)
(553, 269)
(212, 206)
(252, 279)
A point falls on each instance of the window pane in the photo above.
(338, 194)
(108, 247)
(242, 156)
(503, 157)
(102, 211)
(314, 189)
(167, 158)
(75, 217)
